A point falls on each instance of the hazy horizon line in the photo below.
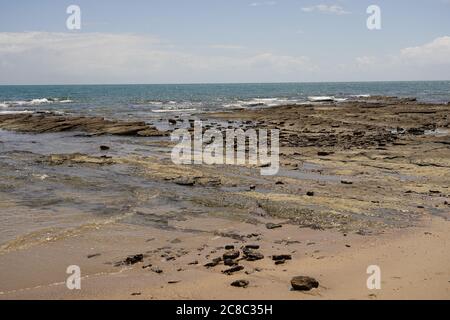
(219, 83)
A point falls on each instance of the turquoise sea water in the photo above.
(149, 101)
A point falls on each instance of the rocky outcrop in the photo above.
(49, 122)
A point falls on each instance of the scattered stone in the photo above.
(348, 246)
(252, 246)
(240, 283)
(193, 262)
(310, 193)
(233, 270)
(303, 283)
(346, 182)
(230, 262)
(136, 294)
(232, 254)
(271, 225)
(278, 257)
(185, 182)
(279, 182)
(280, 262)
(251, 255)
(229, 247)
(89, 256)
(252, 187)
(147, 266)
(214, 262)
(156, 270)
(104, 148)
(133, 259)
(324, 153)
(173, 281)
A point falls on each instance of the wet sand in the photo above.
(362, 183)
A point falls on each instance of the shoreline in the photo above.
(364, 180)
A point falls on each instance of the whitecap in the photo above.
(173, 110)
(15, 112)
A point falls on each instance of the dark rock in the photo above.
(271, 225)
(324, 153)
(280, 262)
(252, 246)
(252, 187)
(346, 182)
(134, 259)
(229, 247)
(185, 182)
(232, 270)
(230, 262)
(310, 193)
(240, 283)
(303, 283)
(278, 257)
(173, 281)
(214, 262)
(104, 148)
(232, 254)
(251, 255)
(89, 256)
(193, 262)
(279, 182)
(156, 269)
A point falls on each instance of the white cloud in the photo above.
(324, 8)
(366, 61)
(435, 52)
(46, 57)
(264, 3)
(226, 46)
(430, 61)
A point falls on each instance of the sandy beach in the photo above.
(363, 182)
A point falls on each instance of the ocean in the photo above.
(153, 101)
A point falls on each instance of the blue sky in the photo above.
(171, 41)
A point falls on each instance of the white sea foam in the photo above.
(33, 102)
(321, 98)
(174, 110)
(260, 102)
(15, 112)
